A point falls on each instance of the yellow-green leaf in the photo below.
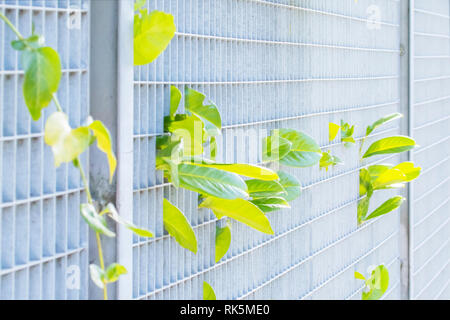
(386, 207)
(390, 145)
(113, 272)
(359, 276)
(275, 148)
(175, 98)
(208, 292)
(94, 220)
(113, 214)
(270, 204)
(382, 121)
(101, 133)
(241, 210)
(333, 130)
(377, 283)
(388, 177)
(246, 170)
(178, 226)
(223, 241)
(152, 34)
(42, 76)
(67, 144)
(291, 185)
(409, 170)
(259, 188)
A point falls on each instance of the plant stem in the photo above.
(11, 26)
(97, 235)
(80, 166)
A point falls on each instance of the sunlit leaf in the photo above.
(275, 148)
(377, 283)
(304, 151)
(97, 275)
(94, 220)
(241, 210)
(363, 208)
(386, 207)
(208, 292)
(382, 121)
(178, 226)
(139, 4)
(243, 169)
(112, 212)
(333, 130)
(328, 160)
(211, 181)
(209, 114)
(42, 76)
(223, 241)
(359, 276)
(175, 98)
(101, 133)
(67, 144)
(113, 272)
(260, 188)
(390, 145)
(152, 34)
(190, 130)
(271, 204)
(409, 170)
(365, 183)
(291, 185)
(388, 177)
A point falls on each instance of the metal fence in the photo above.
(43, 240)
(430, 121)
(266, 64)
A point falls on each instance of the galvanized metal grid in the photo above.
(43, 242)
(271, 64)
(430, 226)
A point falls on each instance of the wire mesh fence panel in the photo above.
(271, 64)
(43, 240)
(430, 110)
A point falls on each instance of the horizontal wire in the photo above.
(435, 254)
(436, 35)
(321, 181)
(286, 43)
(435, 232)
(248, 82)
(424, 172)
(437, 143)
(432, 279)
(39, 198)
(430, 191)
(431, 101)
(40, 261)
(42, 8)
(432, 13)
(326, 13)
(353, 263)
(261, 245)
(432, 123)
(432, 79)
(21, 72)
(309, 258)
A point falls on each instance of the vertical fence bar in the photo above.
(125, 143)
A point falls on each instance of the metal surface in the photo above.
(43, 240)
(430, 120)
(271, 64)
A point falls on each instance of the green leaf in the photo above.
(382, 121)
(139, 4)
(365, 183)
(208, 292)
(389, 145)
(209, 114)
(94, 220)
(304, 151)
(359, 276)
(270, 204)
(101, 133)
(113, 214)
(333, 130)
(388, 177)
(42, 76)
(377, 169)
(347, 132)
(328, 160)
(409, 170)
(243, 169)
(175, 98)
(377, 284)
(386, 207)
(190, 130)
(152, 34)
(211, 181)
(67, 144)
(363, 207)
(261, 189)
(223, 241)
(275, 148)
(213, 148)
(113, 272)
(97, 275)
(169, 158)
(291, 185)
(178, 226)
(241, 210)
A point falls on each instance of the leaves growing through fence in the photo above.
(376, 284)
